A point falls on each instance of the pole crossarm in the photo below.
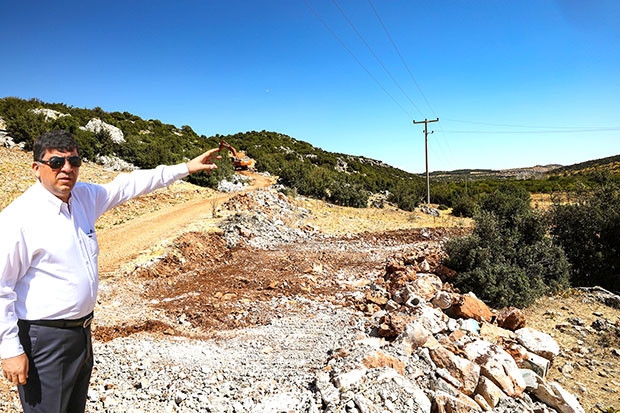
(426, 133)
(426, 121)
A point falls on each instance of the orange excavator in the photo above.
(239, 160)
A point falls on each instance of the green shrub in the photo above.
(464, 207)
(211, 179)
(588, 229)
(508, 259)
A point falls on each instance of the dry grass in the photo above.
(338, 220)
(541, 201)
(16, 174)
(588, 365)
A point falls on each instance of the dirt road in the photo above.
(123, 243)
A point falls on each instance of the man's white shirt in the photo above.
(49, 249)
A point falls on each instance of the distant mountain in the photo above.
(530, 172)
(610, 164)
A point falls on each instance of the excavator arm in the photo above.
(223, 144)
(239, 163)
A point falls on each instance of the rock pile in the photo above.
(265, 226)
(448, 347)
(427, 347)
(235, 185)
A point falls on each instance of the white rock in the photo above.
(536, 363)
(281, 402)
(464, 371)
(96, 125)
(426, 285)
(349, 379)
(413, 336)
(497, 365)
(433, 319)
(555, 396)
(489, 390)
(538, 342)
(49, 114)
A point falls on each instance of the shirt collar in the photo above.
(47, 196)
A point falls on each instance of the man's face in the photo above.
(59, 181)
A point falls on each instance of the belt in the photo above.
(83, 322)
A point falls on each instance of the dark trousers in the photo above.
(61, 362)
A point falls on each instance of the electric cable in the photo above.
(377, 58)
(355, 57)
(401, 57)
(578, 130)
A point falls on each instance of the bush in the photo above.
(588, 229)
(508, 259)
(464, 207)
(407, 195)
(508, 203)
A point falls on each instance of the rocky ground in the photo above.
(292, 305)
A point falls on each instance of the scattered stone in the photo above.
(441, 352)
(511, 319)
(468, 306)
(538, 342)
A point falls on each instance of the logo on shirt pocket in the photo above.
(92, 244)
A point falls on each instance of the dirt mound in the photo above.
(210, 287)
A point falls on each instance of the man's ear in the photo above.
(36, 166)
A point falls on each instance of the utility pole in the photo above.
(426, 133)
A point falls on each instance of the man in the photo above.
(49, 274)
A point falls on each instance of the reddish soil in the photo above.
(212, 287)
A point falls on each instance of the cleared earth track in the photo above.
(121, 244)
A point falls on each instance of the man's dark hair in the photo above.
(60, 140)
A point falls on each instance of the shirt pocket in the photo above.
(92, 245)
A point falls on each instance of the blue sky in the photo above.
(513, 83)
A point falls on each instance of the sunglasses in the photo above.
(57, 162)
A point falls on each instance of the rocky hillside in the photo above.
(279, 304)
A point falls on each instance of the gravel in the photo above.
(264, 369)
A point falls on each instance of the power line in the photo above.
(401, 56)
(396, 49)
(538, 131)
(375, 55)
(529, 126)
(355, 57)
(380, 62)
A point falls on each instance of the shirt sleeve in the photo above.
(13, 260)
(129, 185)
